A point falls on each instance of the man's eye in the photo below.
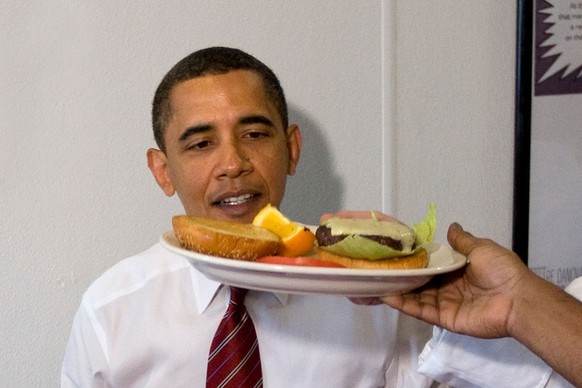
(256, 134)
(198, 145)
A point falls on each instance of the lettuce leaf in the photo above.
(363, 248)
(426, 229)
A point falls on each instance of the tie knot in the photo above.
(237, 296)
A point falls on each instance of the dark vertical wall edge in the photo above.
(523, 99)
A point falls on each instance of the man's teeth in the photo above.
(236, 200)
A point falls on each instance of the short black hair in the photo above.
(211, 61)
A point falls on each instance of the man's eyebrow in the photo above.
(193, 130)
(256, 119)
(199, 128)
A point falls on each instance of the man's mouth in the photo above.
(233, 201)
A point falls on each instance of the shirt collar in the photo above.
(205, 290)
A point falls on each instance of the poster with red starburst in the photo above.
(558, 47)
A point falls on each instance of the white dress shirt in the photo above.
(150, 319)
(149, 322)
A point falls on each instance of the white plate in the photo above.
(319, 280)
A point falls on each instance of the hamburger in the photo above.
(372, 240)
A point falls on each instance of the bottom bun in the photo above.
(414, 261)
(225, 239)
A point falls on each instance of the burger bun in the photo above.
(224, 238)
(417, 260)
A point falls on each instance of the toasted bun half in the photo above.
(414, 261)
(225, 239)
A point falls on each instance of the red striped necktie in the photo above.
(234, 354)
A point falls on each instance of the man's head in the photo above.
(212, 61)
(219, 118)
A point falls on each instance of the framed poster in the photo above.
(547, 231)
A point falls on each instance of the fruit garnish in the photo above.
(296, 238)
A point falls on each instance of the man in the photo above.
(226, 148)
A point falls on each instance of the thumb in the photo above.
(461, 241)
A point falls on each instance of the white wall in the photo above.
(455, 132)
(76, 82)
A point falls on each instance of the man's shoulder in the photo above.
(134, 272)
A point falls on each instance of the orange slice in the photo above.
(297, 240)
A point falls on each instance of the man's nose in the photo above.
(233, 161)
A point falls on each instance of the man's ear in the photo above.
(293, 147)
(158, 164)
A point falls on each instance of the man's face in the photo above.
(227, 153)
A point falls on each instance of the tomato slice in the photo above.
(301, 261)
